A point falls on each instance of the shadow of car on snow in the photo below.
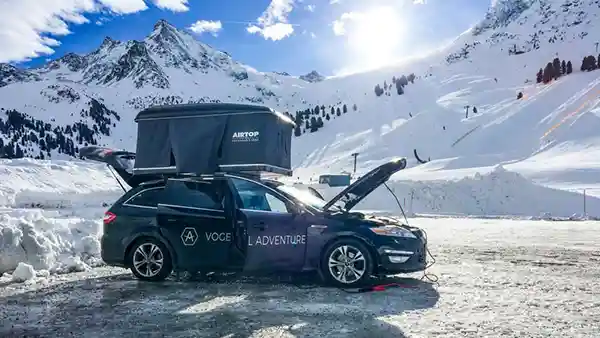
(119, 305)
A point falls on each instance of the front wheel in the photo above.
(347, 263)
(150, 260)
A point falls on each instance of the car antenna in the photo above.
(116, 178)
(397, 201)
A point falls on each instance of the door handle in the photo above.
(260, 225)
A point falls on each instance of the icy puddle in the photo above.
(497, 278)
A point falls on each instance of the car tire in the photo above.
(149, 260)
(359, 267)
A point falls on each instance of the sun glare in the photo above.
(375, 36)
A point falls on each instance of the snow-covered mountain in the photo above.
(417, 109)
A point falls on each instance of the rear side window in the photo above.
(204, 195)
(146, 198)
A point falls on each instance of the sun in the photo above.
(375, 36)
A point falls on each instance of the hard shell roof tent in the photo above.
(206, 138)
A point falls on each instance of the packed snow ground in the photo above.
(51, 211)
(496, 278)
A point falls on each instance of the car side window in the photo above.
(146, 198)
(204, 195)
(257, 197)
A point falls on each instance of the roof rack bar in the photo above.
(250, 169)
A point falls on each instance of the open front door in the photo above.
(193, 218)
(275, 236)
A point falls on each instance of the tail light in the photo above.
(109, 217)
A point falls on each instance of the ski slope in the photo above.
(551, 135)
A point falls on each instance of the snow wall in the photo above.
(497, 193)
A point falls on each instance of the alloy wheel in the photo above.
(148, 260)
(347, 264)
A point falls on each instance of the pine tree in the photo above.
(344, 109)
(9, 150)
(354, 107)
(593, 63)
(569, 67)
(548, 73)
(327, 117)
(320, 122)
(338, 112)
(598, 61)
(399, 88)
(540, 76)
(378, 90)
(313, 125)
(584, 64)
(563, 68)
(556, 68)
(297, 131)
(403, 81)
(332, 111)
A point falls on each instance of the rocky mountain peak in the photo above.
(108, 42)
(11, 74)
(162, 23)
(313, 76)
(73, 61)
(163, 30)
(501, 13)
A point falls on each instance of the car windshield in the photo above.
(303, 196)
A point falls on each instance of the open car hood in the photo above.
(358, 190)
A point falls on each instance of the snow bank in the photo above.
(49, 240)
(51, 214)
(498, 192)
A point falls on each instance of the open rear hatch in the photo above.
(121, 161)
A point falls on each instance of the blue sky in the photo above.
(328, 35)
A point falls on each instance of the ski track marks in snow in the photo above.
(498, 278)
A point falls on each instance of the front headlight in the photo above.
(393, 231)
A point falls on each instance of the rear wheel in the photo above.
(347, 263)
(150, 260)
